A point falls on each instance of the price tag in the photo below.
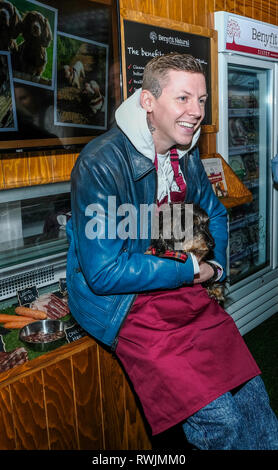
(27, 295)
(63, 286)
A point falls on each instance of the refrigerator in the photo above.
(247, 140)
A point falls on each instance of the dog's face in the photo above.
(183, 236)
(202, 242)
(36, 27)
(68, 73)
(9, 19)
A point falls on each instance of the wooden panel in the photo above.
(200, 12)
(29, 413)
(161, 8)
(137, 438)
(145, 6)
(175, 10)
(60, 406)
(187, 12)
(41, 170)
(62, 166)
(7, 434)
(219, 5)
(230, 5)
(248, 8)
(239, 8)
(265, 12)
(1, 175)
(87, 397)
(273, 11)
(16, 171)
(257, 10)
(113, 402)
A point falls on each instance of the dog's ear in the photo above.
(47, 34)
(16, 22)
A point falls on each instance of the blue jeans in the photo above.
(240, 421)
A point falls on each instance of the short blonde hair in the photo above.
(156, 71)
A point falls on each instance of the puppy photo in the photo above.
(74, 74)
(31, 57)
(81, 82)
(96, 99)
(10, 25)
(195, 239)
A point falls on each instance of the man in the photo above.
(176, 335)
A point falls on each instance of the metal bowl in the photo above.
(45, 332)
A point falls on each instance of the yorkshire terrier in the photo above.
(201, 245)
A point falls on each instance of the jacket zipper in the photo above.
(115, 342)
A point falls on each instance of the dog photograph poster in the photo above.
(8, 118)
(82, 82)
(33, 54)
(55, 62)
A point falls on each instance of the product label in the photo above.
(245, 35)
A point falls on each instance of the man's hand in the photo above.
(206, 272)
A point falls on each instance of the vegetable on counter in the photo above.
(31, 312)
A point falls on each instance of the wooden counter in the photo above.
(75, 397)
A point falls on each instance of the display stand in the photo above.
(238, 193)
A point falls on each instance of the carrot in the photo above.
(18, 324)
(30, 312)
(5, 317)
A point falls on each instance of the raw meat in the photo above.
(52, 305)
(8, 360)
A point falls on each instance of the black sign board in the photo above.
(27, 295)
(63, 285)
(144, 41)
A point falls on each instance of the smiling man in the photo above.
(182, 351)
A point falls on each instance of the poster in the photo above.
(54, 72)
(144, 41)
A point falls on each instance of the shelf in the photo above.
(243, 112)
(242, 222)
(241, 149)
(245, 253)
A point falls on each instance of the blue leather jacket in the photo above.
(105, 271)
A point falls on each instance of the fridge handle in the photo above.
(274, 165)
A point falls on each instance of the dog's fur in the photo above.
(96, 99)
(73, 74)
(31, 57)
(201, 245)
(10, 23)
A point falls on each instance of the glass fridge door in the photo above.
(249, 147)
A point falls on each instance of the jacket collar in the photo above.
(140, 165)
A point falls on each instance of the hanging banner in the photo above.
(252, 37)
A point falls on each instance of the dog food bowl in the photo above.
(43, 335)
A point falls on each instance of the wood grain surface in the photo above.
(113, 400)
(29, 413)
(7, 434)
(60, 406)
(88, 399)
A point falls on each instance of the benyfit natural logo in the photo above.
(153, 36)
(233, 29)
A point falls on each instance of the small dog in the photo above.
(73, 74)
(201, 245)
(10, 23)
(96, 98)
(31, 57)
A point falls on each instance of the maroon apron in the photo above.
(181, 351)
